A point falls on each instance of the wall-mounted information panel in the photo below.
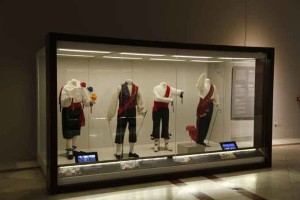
(243, 92)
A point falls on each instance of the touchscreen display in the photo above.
(227, 146)
(86, 158)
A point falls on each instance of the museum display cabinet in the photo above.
(116, 111)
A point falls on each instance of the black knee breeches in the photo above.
(128, 117)
(161, 114)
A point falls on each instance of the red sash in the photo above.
(131, 101)
(202, 108)
(158, 104)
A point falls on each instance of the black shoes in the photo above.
(133, 155)
(119, 157)
(130, 155)
(70, 153)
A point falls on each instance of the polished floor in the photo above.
(281, 182)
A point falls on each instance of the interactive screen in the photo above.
(86, 157)
(227, 146)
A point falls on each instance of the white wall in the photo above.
(23, 27)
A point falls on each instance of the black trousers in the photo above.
(128, 117)
(161, 114)
(203, 124)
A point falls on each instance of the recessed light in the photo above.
(74, 55)
(83, 51)
(196, 57)
(207, 61)
(141, 54)
(165, 59)
(231, 58)
(124, 58)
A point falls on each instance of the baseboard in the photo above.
(16, 166)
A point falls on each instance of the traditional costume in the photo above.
(208, 96)
(129, 101)
(73, 96)
(160, 113)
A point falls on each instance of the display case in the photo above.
(116, 111)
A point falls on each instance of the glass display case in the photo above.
(115, 111)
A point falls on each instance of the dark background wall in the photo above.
(24, 24)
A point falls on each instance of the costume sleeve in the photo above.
(140, 104)
(87, 101)
(159, 98)
(175, 91)
(113, 104)
(216, 96)
(201, 83)
(65, 99)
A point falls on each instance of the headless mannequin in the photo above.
(162, 95)
(208, 97)
(126, 115)
(131, 145)
(73, 95)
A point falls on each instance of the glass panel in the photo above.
(41, 108)
(167, 107)
(107, 68)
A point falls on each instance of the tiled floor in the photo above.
(281, 182)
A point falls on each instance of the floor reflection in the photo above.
(281, 182)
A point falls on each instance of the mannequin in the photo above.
(127, 97)
(73, 96)
(162, 95)
(208, 97)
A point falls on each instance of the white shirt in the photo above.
(159, 92)
(74, 91)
